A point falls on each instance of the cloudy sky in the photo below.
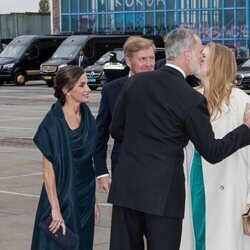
(8, 6)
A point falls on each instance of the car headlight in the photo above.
(8, 66)
(61, 66)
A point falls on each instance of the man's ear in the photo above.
(188, 54)
(128, 61)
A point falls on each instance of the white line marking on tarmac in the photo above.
(31, 195)
(38, 196)
(14, 128)
(15, 108)
(19, 118)
(20, 194)
(41, 97)
(17, 176)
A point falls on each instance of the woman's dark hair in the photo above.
(66, 78)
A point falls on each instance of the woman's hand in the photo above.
(57, 221)
(97, 213)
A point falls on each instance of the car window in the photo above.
(246, 64)
(120, 55)
(13, 51)
(105, 58)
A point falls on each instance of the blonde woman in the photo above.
(217, 194)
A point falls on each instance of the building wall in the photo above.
(224, 21)
(55, 16)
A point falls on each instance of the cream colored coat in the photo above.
(227, 187)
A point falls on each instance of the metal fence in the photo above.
(29, 23)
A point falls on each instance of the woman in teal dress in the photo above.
(67, 139)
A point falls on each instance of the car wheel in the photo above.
(93, 87)
(1, 83)
(50, 83)
(20, 79)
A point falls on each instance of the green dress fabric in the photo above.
(70, 152)
(198, 201)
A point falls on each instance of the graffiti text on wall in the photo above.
(215, 32)
(238, 31)
(130, 3)
(138, 4)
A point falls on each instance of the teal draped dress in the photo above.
(198, 201)
(70, 152)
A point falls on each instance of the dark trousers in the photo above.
(128, 227)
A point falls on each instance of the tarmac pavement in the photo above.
(21, 110)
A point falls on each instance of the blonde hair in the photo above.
(221, 74)
(137, 43)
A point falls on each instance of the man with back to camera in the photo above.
(140, 57)
(155, 117)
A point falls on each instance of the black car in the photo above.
(243, 74)
(95, 72)
(20, 60)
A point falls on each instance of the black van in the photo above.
(20, 61)
(94, 47)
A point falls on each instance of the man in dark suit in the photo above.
(140, 57)
(155, 117)
(82, 60)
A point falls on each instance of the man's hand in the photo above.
(105, 182)
(246, 118)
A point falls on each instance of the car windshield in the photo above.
(105, 58)
(246, 64)
(13, 51)
(66, 51)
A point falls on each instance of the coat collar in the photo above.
(172, 71)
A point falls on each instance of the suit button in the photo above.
(221, 187)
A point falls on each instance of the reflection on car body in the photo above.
(243, 74)
(95, 72)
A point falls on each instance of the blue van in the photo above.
(20, 61)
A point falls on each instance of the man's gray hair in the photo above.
(177, 40)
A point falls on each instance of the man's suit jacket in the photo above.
(155, 117)
(110, 93)
(84, 63)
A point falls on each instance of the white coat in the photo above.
(227, 187)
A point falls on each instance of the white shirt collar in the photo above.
(177, 68)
